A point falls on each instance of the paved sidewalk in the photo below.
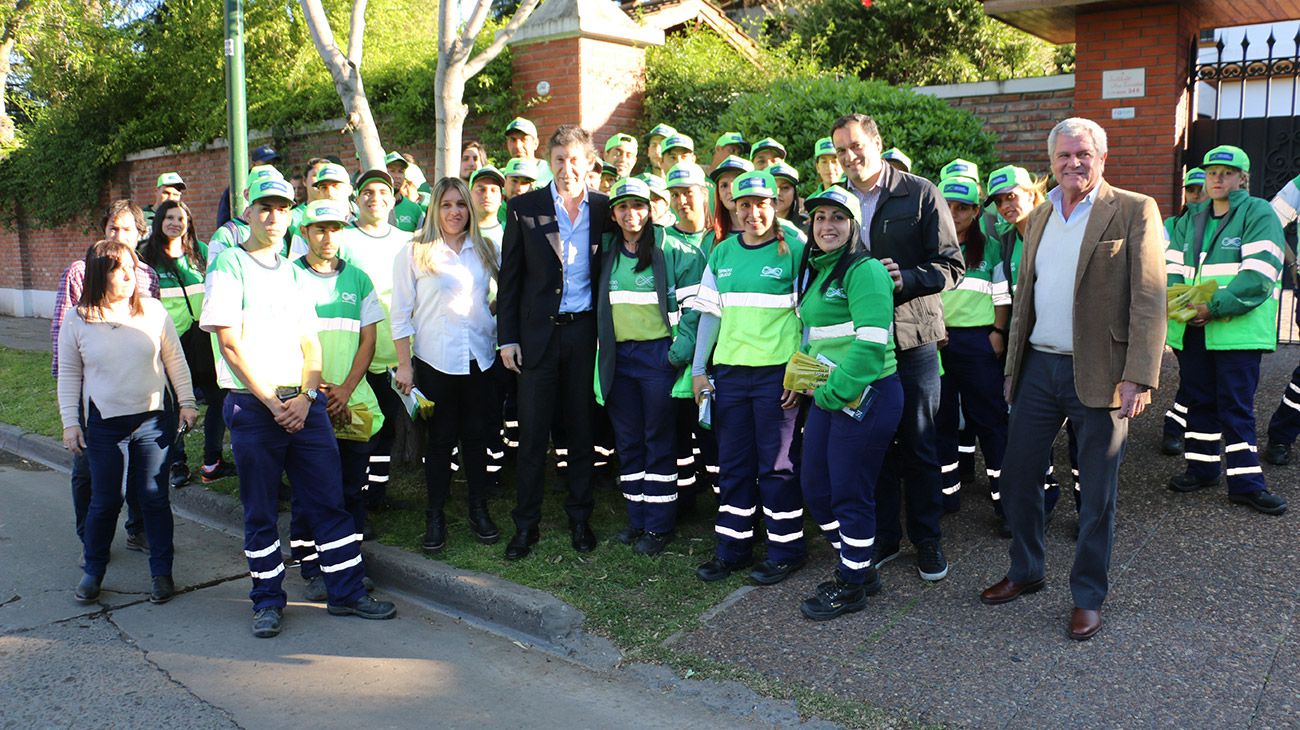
(25, 333)
(1201, 628)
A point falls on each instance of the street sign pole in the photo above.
(236, 104)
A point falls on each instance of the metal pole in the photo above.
(236, 105)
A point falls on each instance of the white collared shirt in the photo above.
(446, 310)
(1056, 264)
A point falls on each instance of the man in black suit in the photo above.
(547, 329)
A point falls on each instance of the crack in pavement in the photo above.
(1272, 668)
(12, 599)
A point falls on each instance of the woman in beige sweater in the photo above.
(118, 354)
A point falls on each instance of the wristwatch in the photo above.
(311, 395)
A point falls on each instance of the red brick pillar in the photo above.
(582, 62)
(1147, 133)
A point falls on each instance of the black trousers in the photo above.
(557, 382)
(462, 416)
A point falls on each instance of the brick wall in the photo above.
(613, 85)
(557, 63)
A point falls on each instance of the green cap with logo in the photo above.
(754, 184)
(960, 168)
(658, 188)
(270, 187)
(331, 173)
(629, 188)
(730, 164)
(780, 169)
(325, 211)
(960, 189)
(1194, 176)
(171, 180)
(767, 143)
(685, 174)
(395, 157)
(824, 146)
(895, 154)
(522, 126)
(735, 138)
(837, 197)
(259, 173)
(620, 139)
(520, 168)
(1229, 156)
(660, 130)
(676, 141)
(370, 176)
(487, 172)
(1007, 177)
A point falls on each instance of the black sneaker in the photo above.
(266, 623)
(870, 583)
(930, 562)
(138, 542)
(1171, 445)
(365, 607)
(1184, 483)
(179, 475)
(768, 572)
(628, 535)
(652, 543)
(719, 569)
(834, 599)
(88, 588)
(1262, 501)
(216, 472)
(886, 553)
(315, 590)
(1278, 454)
(163, 589)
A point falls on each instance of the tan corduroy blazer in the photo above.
(1119, 297)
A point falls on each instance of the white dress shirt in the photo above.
(445, 310)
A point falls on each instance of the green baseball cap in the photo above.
(735, 138)
(271, 187)
(780, 169)
(370, 176)
(325, 211)
(171, 180)
(754, 184)
(487, 171)
(660, 130)
(1194, 176)
(731, 164)
(685, 174)
(656, 184)
(520, 168)
(619, 139)
(837, 197)
(259, 173)
(895, 154)
(960, 189)
(629, 188)
(608, 169)
(675, 141)
(824, 146)
(1228, 156)
(521, 125)
(395, 157)
(766, 143)
(331, 173)
(960, 168)
(1007, 177)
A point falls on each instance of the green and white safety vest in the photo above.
(971, 303)
(850, 323)
(1242, 253)
(375, 255)
(752, 290)
(184, 283)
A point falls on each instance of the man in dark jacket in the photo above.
(907, 226)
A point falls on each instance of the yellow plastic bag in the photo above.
(359, 425)
(805, 372)
(1183, 298)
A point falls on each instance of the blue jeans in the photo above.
(140, 444)
(911, 468)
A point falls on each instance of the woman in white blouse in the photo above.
(443, 284)
(118, 354)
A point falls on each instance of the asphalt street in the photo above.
(193, 662)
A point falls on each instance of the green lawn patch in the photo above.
(27, 392)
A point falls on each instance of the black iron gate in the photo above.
(1267, 127)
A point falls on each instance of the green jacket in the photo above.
(1242, 252)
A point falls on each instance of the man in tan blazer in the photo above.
(1087, 335)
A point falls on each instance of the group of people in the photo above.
(566, 302)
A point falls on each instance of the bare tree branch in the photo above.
(476, 64)
(318, 25)
(356, 33)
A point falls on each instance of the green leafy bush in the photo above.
(797, 111)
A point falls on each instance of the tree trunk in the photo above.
(449, 115)
(345, 70)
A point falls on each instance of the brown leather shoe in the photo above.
(1007, 590)
(1084, 623)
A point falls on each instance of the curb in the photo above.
(483, 600)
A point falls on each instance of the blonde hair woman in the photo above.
(442, 284)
